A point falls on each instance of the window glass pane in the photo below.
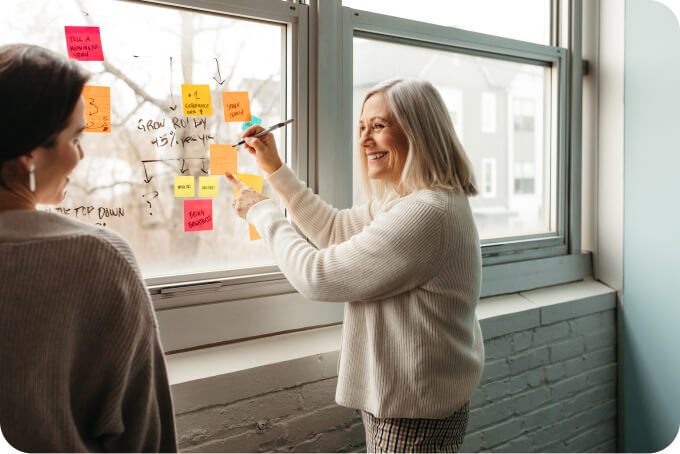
(126, 181)
(501, 112)
(526, 20)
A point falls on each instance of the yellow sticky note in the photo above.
(184, 186)
(97, 108)
(222, 158)
(236, 106)
(253, 233)
(207, 187)
(196, 100)
(254, 181)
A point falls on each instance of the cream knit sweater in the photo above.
(411, 271)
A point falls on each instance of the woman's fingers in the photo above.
(236, 184)
(252, 130)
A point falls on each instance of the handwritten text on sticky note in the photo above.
(254, 121)
(222, 158)
(97, 108)
(184, 186)
(198, 215)
(84, 43)
(207, 187)
(236, 106)
(196, 100)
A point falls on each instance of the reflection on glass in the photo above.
(126, 181)
(526, 20)
(500, 111)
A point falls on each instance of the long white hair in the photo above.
(436, 158)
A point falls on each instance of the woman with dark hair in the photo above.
(82, 364)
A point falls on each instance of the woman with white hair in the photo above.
(407, 263)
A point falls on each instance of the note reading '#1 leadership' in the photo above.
(196, 100)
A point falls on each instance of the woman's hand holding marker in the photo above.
(263, 148)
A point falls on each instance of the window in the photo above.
(499, 66)
(126, 181)
(488, 182)
(503, 93)
(508, 102)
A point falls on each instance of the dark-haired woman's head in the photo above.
(41, 119)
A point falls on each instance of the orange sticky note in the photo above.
(253, 233)
(196, 100)
(97, 108)
(236, 106)
(254, 181)
(84, 43)
(222, 158)
(198, 215)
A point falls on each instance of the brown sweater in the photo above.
(81, 364)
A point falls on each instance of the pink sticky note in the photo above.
(84, 43)
(198, 215)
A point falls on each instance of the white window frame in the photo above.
(510, 264)
(214, 308)
(391, 29)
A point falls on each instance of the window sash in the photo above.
(295, 50)
(357, 23)
(214, 308)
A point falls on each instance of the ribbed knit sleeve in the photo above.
(398, 251)
(320, 222)
(82, 364)
(137, 413)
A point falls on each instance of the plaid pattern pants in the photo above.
(416, 435)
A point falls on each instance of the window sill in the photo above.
(498, 315)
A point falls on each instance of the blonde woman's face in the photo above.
(382, 140)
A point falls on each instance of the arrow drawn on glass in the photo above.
(146, 176)
(219, 79)
(173, 107)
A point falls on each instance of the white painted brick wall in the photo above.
(546, 388)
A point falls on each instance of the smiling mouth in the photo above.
(376, 156)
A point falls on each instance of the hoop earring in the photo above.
(31, 177)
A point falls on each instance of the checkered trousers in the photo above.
(416, 435)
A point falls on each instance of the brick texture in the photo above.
(551, 388)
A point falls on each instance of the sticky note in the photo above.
(196, 100)
(253, 233)
(198, 215)
(254, 181)
(84, 43)
(184, 186)
(207, 187)
(254, 121)
(222, 158)
(236, 106)
(97, 108)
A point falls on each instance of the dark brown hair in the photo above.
(38, 91)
